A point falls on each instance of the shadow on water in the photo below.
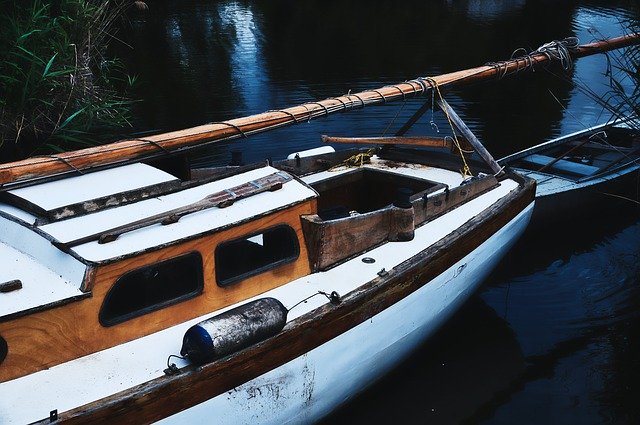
(457, 371)
(553, 337)
(571, 294)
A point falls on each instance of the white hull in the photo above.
(309, 387)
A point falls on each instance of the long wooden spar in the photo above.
(135, 149)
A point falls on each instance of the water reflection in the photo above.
(487, 10)
(459, 371)
(571, 294)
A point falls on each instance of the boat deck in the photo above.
(116, 369)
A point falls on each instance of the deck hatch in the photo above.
(152, 287)
(254, 254)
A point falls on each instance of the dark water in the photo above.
(554, 335)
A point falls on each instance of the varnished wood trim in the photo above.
(57, 334)
(43, 307)
(423, 141)
(168, 395)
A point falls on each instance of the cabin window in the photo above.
(250, 255)
(153, 287)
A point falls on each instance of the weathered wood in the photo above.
(56, 335)
(10, 286)
(316, 163)
(220, 199)
(124, 198)
(468, 134)
(403, 224)
(330, 242)
(435, 142)
(424, 141)
(168, 395)
(427, 209)
(176, 141)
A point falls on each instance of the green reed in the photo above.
(58, 87)
(622, 99)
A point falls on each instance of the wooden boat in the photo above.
(135, 289)
(583, 171)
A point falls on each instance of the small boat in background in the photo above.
(583, 171)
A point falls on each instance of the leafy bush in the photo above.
(58, 88)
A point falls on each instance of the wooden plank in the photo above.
(136, 195)
(173, 142)
(468, 134)
(330, 242)
(436, 205)
(423, 141)
(53, 336)
(435, 142)
(220, 199)
(168, 395)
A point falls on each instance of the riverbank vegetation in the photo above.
(58, 87)
(622, 100)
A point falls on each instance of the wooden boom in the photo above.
(424, 141)
(129, 150)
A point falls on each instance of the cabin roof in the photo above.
(58, 193)
(39, 284)
(84, 188)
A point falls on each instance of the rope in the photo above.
(156, 144)
(357, 97)
(64, 161)
(559, 50)
(404, 96)
(341, 101)
(434, 85)
(357, 160)
(384, 99)
(394, 118)
(466, 170)
(333, 297)
(232, 126)
(286, 113)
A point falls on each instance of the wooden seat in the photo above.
(561, 165)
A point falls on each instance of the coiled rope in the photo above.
(357, 160)
(559, 50)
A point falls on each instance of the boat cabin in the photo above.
(124, 252)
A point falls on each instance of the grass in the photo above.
(622, 99)
(59, 89)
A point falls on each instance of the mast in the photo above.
(129, 150)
